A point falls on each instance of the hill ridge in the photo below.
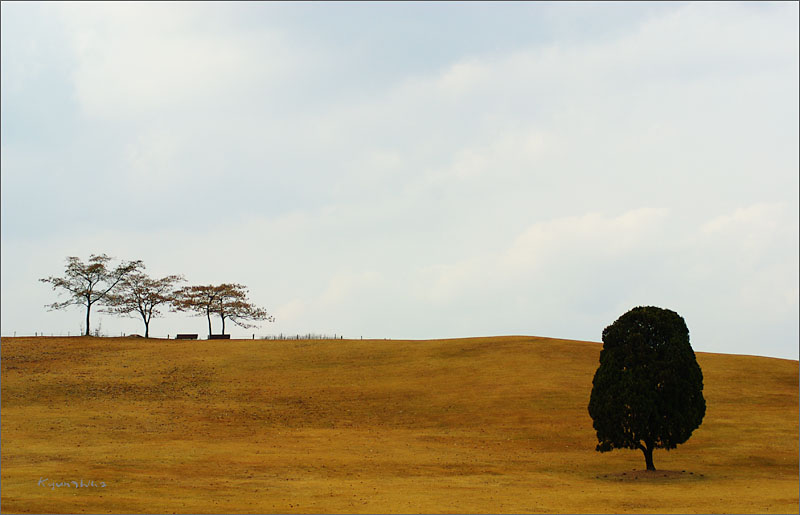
(364, 426)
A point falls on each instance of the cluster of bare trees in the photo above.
(125, 289)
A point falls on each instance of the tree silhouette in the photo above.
(140, 295)
(648, 390)
(233, 304)
(228, 301)
(197, 299)
(89, 283)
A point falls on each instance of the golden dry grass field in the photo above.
(473, 425)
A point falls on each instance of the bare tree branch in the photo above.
(89, 283)
(140, 295)
(228, 301)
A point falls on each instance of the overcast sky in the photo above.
(412, 170)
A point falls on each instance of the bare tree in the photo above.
(197, 299)
(89, 283)
(228, 301)
(234, 305)
(139, 294)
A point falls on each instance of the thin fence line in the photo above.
(171, 336)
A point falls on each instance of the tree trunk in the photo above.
(223, 325)
(146, 322)
(147, 316)
(88, 310)
(208, 314)
(648, 457)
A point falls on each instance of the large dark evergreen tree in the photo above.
(648, 390)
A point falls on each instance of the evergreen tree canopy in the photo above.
(648, 390)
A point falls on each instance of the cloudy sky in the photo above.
(412, 170)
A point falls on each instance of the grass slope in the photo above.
(471, 425)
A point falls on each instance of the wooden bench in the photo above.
(186, 336)
(219, 337)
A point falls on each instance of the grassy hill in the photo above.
(471, 425)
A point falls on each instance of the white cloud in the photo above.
(343, 287)
(759, 219)
(592, 235)
(756, 248)
(542, 188)
(559, 250)
(136, 61)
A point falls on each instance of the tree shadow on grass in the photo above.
(652, 475)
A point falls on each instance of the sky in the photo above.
(411, 170)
